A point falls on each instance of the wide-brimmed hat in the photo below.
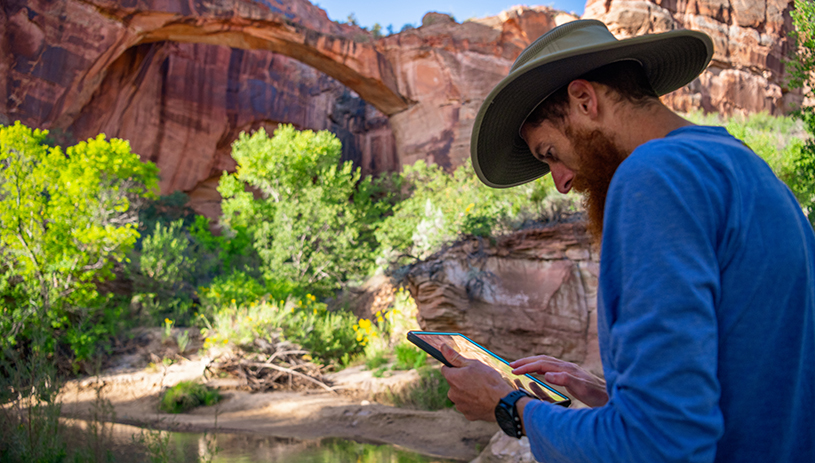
(500, 156)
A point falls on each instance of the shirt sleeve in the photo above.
(659, 284)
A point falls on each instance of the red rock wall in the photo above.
(533, 292)
(182, 105)
(447, 69)
(750, 40)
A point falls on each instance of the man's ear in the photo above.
(583, 102)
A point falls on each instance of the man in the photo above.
(706, 306)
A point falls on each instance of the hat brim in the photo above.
(500, 156)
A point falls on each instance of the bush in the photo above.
(428, 393)
(237, 287)
(328, 336)
(408, 357)
(187, 395)
(65, 220)
(439, 207)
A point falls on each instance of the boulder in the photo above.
(531, 292)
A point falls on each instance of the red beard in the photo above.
(598, 158)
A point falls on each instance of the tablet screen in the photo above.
(471, 350)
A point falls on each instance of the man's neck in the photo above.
(637, 125)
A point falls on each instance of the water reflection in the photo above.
(244, 448)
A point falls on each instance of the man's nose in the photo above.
(562, 176)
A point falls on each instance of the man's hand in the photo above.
(581, 384)
(475, 388)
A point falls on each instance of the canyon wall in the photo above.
(532, 292)
(181, 78)
(751, 41)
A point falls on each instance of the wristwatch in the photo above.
(507, 414)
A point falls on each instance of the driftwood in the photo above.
(266, 366)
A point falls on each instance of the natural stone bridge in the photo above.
(244, 24)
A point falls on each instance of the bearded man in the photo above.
(706, 299)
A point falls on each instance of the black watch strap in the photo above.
(507, 416)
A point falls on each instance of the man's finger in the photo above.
(539, 366)
(535, 359)
(452, 356)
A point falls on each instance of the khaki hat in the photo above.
(500, 156)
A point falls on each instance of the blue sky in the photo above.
(401, 12)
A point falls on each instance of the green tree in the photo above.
(802, 75)
(65, 219)
(312, 224)
(376, 30)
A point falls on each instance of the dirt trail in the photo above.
(303, 415)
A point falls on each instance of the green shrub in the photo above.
(328, 336)
(164, 272)
(439, 207)
(428, 393)
(187, 395)
(238, 288)
(408, 357)
(66, 218)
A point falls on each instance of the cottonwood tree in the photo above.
(65, 218)
(312, 219)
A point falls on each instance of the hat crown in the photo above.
(569, 36)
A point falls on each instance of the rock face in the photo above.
(181, 106)
(532, 292)
(750, 39)
(448, 69)
(181, 78)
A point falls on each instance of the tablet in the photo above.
(431, 342)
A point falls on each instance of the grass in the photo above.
(187, 395)
(429, 392)
(409, 357)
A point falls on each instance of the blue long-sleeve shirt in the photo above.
(706, 315)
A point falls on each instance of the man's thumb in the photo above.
(452, 356)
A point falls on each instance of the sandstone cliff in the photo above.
(750, 39)
(532, 292)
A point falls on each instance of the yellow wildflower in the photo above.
(469, 207)
(233, 301)
(380, 319)
(359, 336)
(226, 341)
